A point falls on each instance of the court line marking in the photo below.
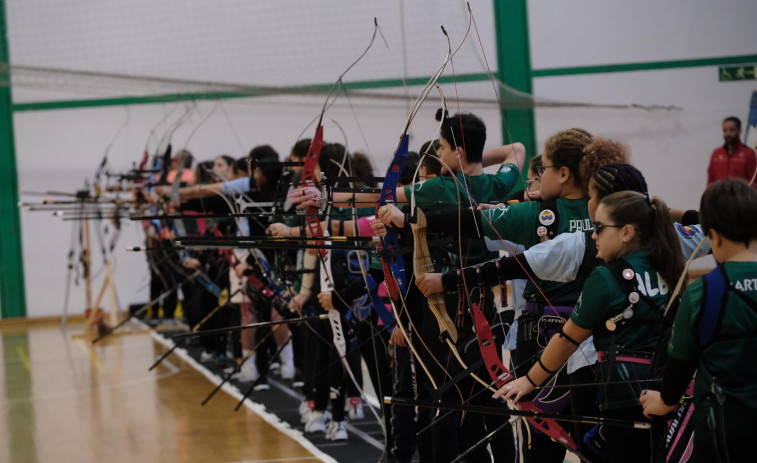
(92, 357)
(24, 358)
(257, 408)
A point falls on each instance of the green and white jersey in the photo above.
(730, 359)
(521, 223)
(444, 193)
(603, 298)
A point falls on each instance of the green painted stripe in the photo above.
(648, 66)
(12, 288)
(514, 67)
(252, 93)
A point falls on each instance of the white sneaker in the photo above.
(316, 422)
(354, 408)
(336, 430)
(206, 357)
(306, 408)
(274, 367)
(261, 387)
(248, 372)
(330, 428)
(287, 362)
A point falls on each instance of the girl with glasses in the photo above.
(621, 306)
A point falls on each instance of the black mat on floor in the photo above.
(366, 439)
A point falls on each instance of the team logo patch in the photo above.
(546, 217)
(686, 230)
(541, 231)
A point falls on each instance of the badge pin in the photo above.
(628, 274)
(628, 313)
(610, 325)
(546, 217)
(541, 231)
(633, 298)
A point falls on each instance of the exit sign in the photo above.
(743, 72)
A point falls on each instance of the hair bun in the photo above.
(441, 113)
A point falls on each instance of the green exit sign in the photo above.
(743, 72)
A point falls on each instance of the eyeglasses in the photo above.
(599, 227)
(540, 169)
(530, 182)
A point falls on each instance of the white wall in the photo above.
(671, 147)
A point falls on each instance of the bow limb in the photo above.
(393, 265)
(423, 264)
(497, 370)
(324, 257)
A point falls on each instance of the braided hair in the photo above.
(612, 178)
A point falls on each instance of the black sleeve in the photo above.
(357, 288)
(461, 224)
(675, 379)
(493, 272)
(690, 217)
(515, 196)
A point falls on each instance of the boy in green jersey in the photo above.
(715, 332)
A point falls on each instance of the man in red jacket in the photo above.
(733, 159)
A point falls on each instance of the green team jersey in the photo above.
(603, 298)
(443, 193)
(730, 358)
(520, 224)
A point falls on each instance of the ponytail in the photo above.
(654, 227)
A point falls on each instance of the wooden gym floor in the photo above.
(63, 400)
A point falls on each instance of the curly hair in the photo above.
(566, 148)
(601, 151)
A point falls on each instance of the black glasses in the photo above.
(540, 169)
(599, 227)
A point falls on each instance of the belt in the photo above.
(644, 358)
(540, 309)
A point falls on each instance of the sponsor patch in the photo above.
(686, 230)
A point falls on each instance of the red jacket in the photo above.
(742, 163)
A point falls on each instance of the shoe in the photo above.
(261, 387)
(354, 409)
(248, 372)
(336, 430)
(316, 422)
(287, 362)
(274, 367)
(206, 357)
(298, 382)
(329, 431)
(221, 360)
(306, 408)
